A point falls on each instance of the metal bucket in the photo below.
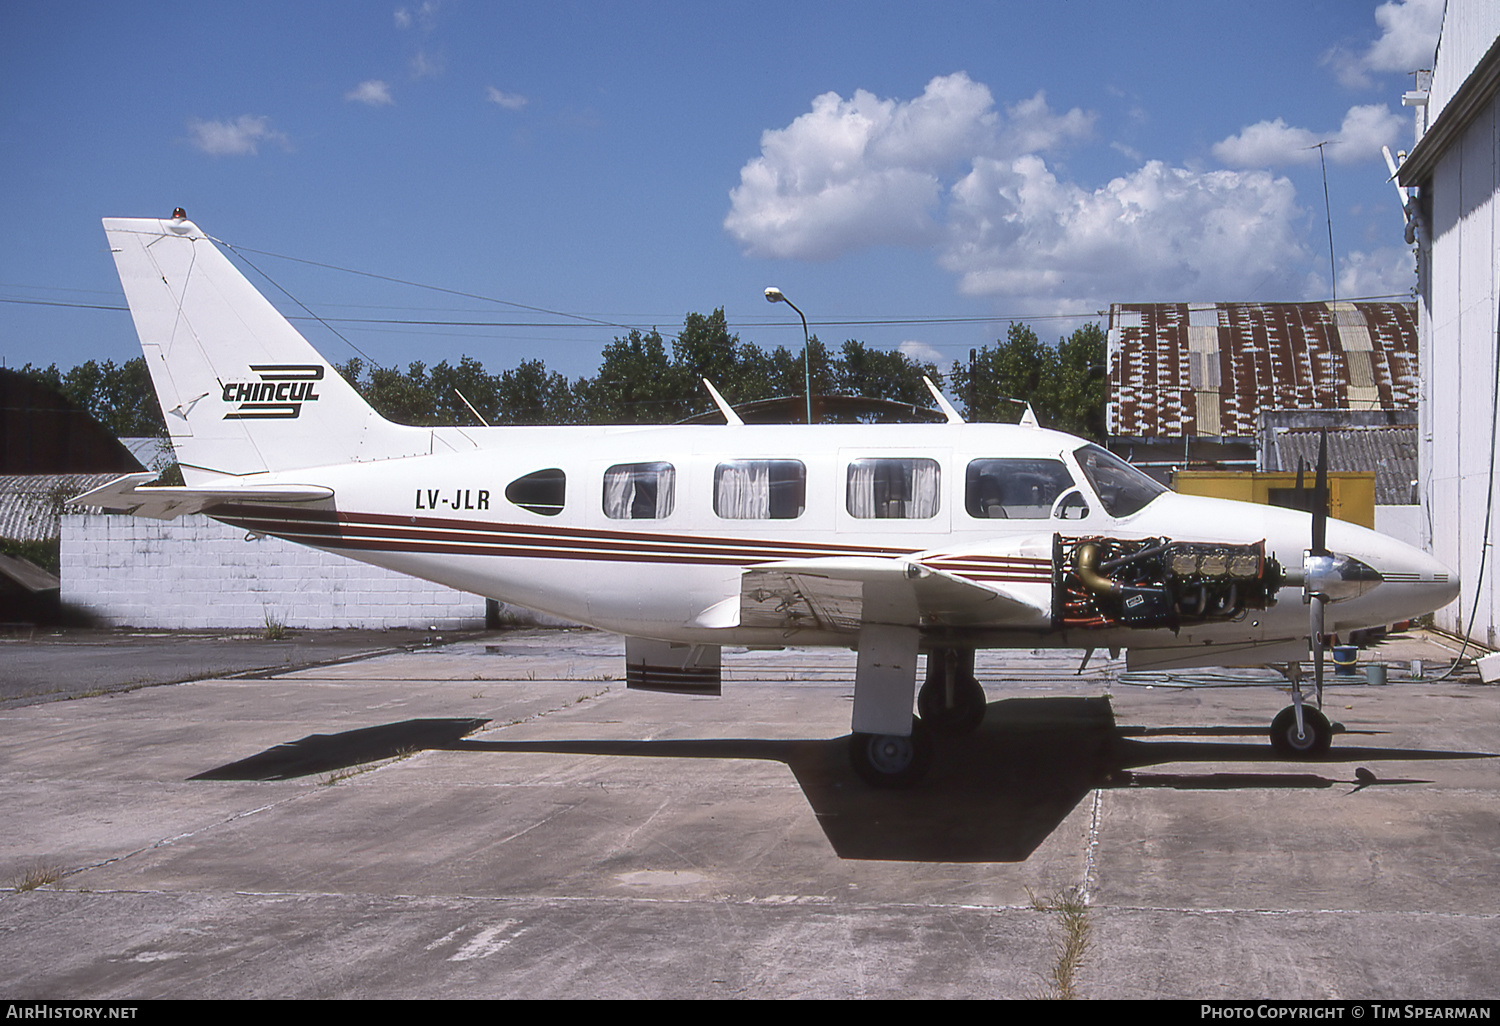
(1375, 673)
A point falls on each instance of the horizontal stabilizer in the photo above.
(129, 494)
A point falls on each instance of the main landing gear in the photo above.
(951, 702)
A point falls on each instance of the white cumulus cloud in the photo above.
(1408, 39)
(950, 171)
(1275, 143)
(1017, 231)
(922, 352)
(1387, 271)
(240, 137)
(865, 171)
(374, 92)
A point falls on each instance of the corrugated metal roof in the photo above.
(1389, 451)
(31, 504)
(1208, 369)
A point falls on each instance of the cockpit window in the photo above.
(1012, 489)
(1121, 488)
(542, 492)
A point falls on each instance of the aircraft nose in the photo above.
(1413, 582)
(1425, 576)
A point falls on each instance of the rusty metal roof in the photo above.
(1208, 369)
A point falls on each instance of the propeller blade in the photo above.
(1320, 501)
(1317, 633)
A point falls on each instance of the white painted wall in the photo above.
(1404, 523)
(1457, 320)
(196, 572)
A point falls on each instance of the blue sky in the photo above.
(950, 166)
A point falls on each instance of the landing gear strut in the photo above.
(951, 700)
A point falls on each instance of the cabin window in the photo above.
(639, 491)
(1014, 489)
(1121, 488)
(893, 489)
(760, 489)
(540, 492)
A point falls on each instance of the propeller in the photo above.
(1316, 596)
(1327, 576)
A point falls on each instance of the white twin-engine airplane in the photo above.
(893, 540)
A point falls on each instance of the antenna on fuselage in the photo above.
(943, 403)
(1028, 419)
(471, 407)
(724, 408)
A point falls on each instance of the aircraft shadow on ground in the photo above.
(992, 796)
(328, 753)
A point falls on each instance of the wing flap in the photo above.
(130, 494)
(830, 594)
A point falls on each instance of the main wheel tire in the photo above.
(1317, 733)
(965, 714)
(889, 760)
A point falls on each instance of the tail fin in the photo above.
(241, 390)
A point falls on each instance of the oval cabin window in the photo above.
(540, 492)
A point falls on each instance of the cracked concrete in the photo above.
(524, 827)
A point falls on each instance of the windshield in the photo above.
(1121, 488)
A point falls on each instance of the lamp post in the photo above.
(774, 295)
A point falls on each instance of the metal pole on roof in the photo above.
(1333, 274)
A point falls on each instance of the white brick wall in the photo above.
(196, 572)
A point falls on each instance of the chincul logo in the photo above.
(279, 394)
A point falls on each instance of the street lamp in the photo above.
(774, 295)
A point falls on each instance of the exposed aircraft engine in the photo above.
(1156, 582)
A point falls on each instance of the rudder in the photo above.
(241, 390)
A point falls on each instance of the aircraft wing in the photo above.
(128, 494)
(830, 594)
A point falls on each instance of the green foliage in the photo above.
(641, 380)
(45, 554)
(119, 397)
(636, 384)
(644, 380)
(1065, 384)
(883, 374)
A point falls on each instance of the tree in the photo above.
(530, 395)
(1065, 384)
(636, 384)
(121, 398)
(882, 374)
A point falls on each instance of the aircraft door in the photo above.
(895, 492)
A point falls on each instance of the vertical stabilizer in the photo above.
(241, 390)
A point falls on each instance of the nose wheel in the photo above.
(1310, 742)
